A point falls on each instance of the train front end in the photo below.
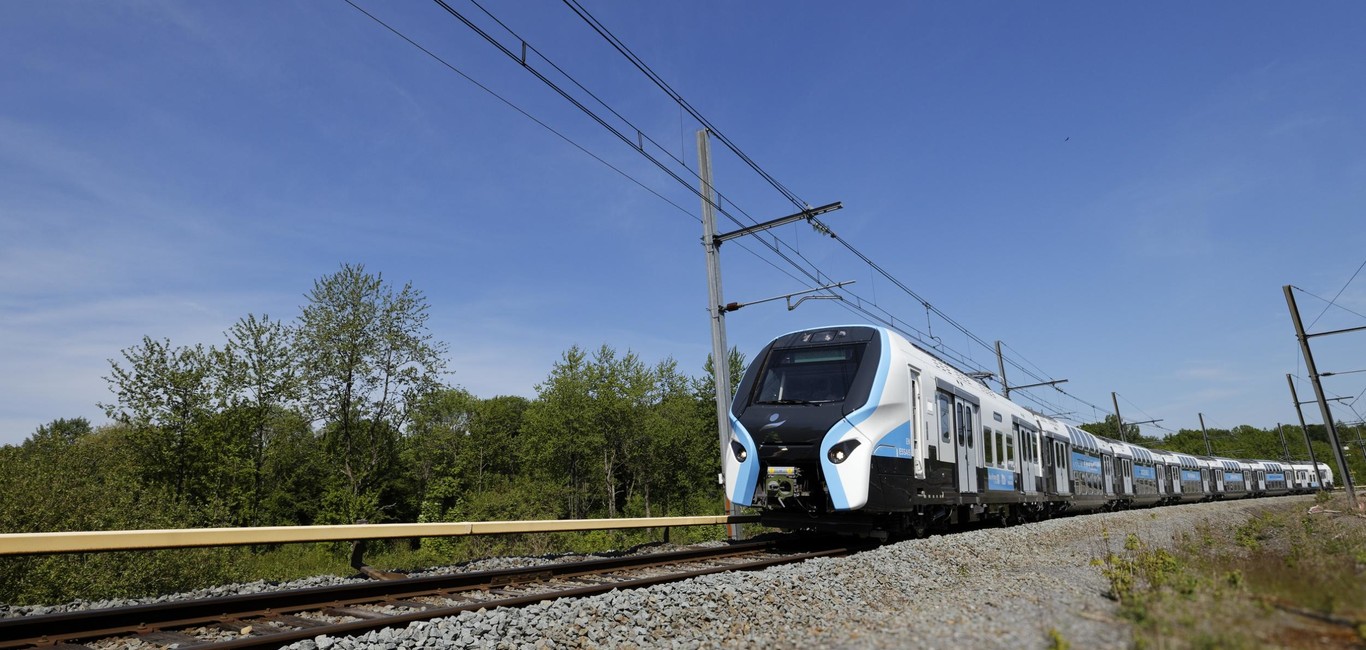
(801, 443)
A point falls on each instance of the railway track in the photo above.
(273, 619)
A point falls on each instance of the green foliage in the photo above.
(340, 415)
(366, 359)
(1056, 641)
(92, 481)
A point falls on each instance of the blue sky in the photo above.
(1116, 191)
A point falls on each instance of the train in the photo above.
(857, 430)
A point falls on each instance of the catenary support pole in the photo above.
(1209, 451)
(1285, 449)
(720, 357)
(1114, 399)
(1323, 401)
(1294, 397)
(1001, 366)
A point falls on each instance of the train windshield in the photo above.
(809, 375)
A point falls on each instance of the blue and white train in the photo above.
(856, 429)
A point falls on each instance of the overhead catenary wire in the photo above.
(806, 268)
(1334, 301)
(1331, 303)
(640, 64)
(891, 321)
(556, 132)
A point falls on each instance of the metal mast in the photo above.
(1209, 451)
(720, 357)
(1294, 397)
(1323, 402)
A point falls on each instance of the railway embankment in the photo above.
(1039, 585)
(1241, 574)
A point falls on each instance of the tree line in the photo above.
(343, 415)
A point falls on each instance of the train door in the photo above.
(1160, 472)
(1126, 473)
(944, 443)
(965, 419)
(1219, 481)
(1029, 467)
(917, 431)
(1108, 473)
(1059, 466)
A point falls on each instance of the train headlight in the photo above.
(739, 450)
(839, 453)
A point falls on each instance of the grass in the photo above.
(1284, 578)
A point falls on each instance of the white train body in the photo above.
(855, 428)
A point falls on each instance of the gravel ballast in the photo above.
(1019, 587)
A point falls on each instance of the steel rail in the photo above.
(143, 540)
(141, 619)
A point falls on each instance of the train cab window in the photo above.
(807, 376)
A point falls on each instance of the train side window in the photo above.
(971, 417)
(958, 411)
(987, 448)
(945, 418)
(1010, 452)
(967, 424)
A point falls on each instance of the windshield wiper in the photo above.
(786, 402)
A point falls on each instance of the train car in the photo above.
(855, 429)
(1194, 480)
(1274, 481)
(1306, 479)
(1212, 470)
(1236, 475)
(1168, 467)
(1149, 472)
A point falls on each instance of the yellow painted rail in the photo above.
(142, 540)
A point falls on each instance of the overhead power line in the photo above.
(1334, 301)
(640, 64)
(812, 272)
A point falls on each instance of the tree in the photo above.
(493, 439)
(166, 396)
(60, 433)
(366, 359)
(672, 454)
(93, 480)
(261, 384)
(434, 450)
(561, 440)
